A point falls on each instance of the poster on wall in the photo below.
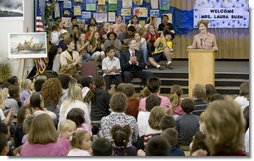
(140, 11)
(101, 8)
(101, 2)
(125, 12)
(12, 9)
(112, 5)
(57, 10)
(154, 4)
(154, 13)
(111, 16)
(100, 17)
(91, 5)
(164, 4)
(127, 4)
(77, 0)
(112, 1)
(67, 4)
(86, 15)
(67, 13)
(222, 14)
(27, 45)
(138, 2)
(77, 10)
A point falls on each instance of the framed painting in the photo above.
(12, 9)
(27, 45)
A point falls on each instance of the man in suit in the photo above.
(132, 63)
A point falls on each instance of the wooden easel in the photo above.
(21, 66)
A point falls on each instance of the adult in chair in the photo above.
(132, 63)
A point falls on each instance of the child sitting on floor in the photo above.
(81, 144)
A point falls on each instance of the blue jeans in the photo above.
(86, 57)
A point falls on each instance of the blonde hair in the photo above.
(224, 127)
(175, 97)
(74, 94)
(24, 84)
(157, 113)
(66, 125)
(42, 130)
(78, 137)
(204, 22)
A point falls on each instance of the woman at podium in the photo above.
(205, 39)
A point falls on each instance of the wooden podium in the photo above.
(201, 67)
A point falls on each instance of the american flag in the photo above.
(39, 27)
(38, 24)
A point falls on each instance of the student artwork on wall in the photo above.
(100, 17)
(101, 2)
(67, 13)
(127, 4)
(67, 4)
(154, 13)
(112, 5)
(27, 45)
(12, 9)
(140, 11)
(125, 8)
(57, 10)
(91, 5)
(101, 8)
(77, 10)
(154, 4)
(111, 16)
(86, 15)
(164, 4)
(125, 12)
(138, 2)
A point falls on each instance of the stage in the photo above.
(229, 67)
(229, 74)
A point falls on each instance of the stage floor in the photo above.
(234, 67)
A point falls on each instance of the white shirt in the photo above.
(55, 37)
(2, 115)
(108, 64)
(78, 152)
(51, 114)
(242, 101)
(75, 104)
(142, 120)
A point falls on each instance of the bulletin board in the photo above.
(109, 9)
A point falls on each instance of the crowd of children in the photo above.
(89, 120)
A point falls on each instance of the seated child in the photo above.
(171, 135)
(81, 144)
(163, 50)
(111, 68)
(66, 129)
(121, 137)
(102, 147)
(4, 149)
(77, 115)
(26, 127)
